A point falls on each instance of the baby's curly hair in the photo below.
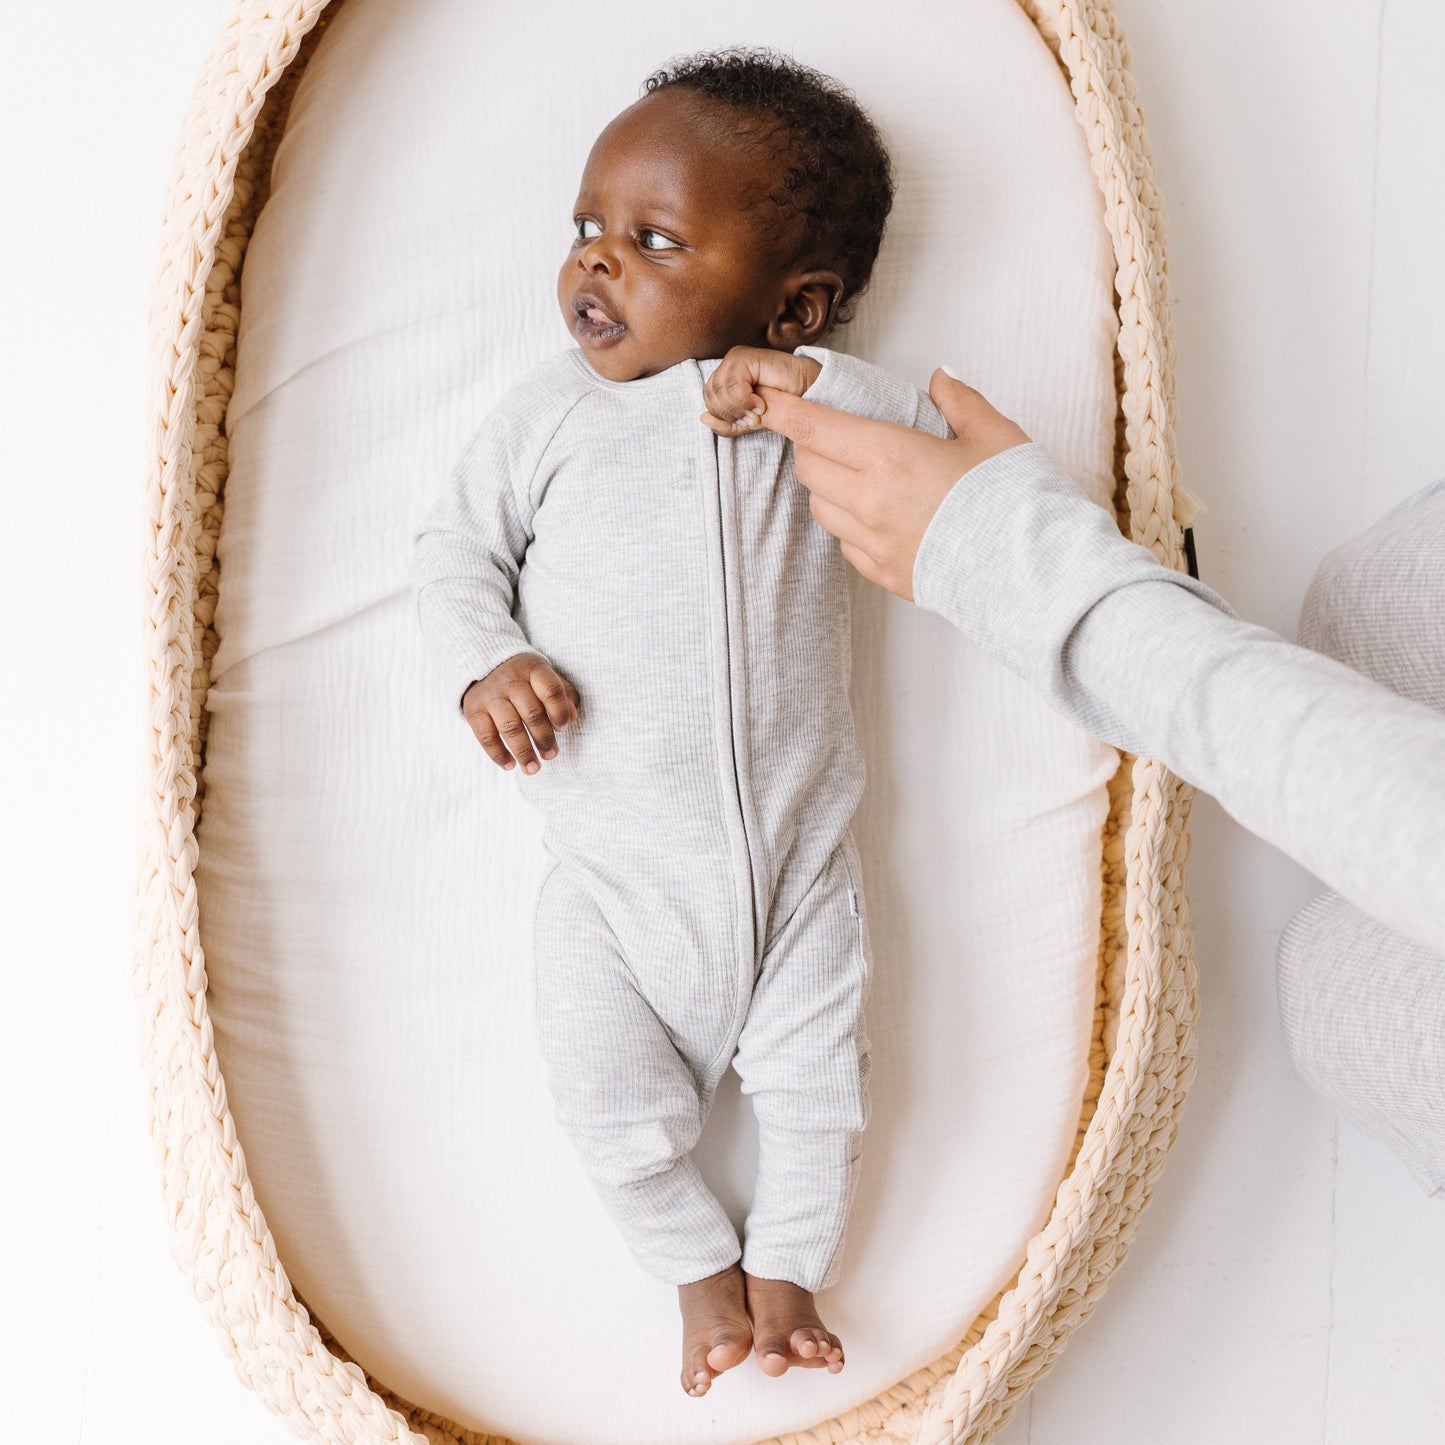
(836, 176)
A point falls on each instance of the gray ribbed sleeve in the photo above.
(467, 555)
(857, 386)
(1343, 775)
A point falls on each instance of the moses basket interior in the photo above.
(1137, 1059)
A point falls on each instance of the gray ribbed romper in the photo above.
(704, 899)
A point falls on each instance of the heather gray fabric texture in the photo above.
(704, 897)
(1377, 603)
(1363, 1008)
(1364, 1017)
(1337, 771)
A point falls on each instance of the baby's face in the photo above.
(665, 249)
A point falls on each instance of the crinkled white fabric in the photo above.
(367, 876)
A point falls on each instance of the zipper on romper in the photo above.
(753, 931)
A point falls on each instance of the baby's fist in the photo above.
(519, 702)
(733, 405)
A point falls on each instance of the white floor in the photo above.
(1286, 1285)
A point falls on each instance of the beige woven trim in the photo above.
(1143, 1055)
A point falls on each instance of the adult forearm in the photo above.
(1341, 774)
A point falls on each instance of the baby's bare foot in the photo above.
(786, 1329)
(715, 1330)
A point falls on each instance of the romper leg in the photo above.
(804, 1058)
(630, 1103)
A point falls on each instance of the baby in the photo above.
(685, 621)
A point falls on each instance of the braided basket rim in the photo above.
(1143, 1055)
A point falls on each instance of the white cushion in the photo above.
(367, 876)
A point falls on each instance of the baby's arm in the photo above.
(832, 378)
(466, 559)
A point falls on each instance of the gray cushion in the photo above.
(1364, 1014)
(1363, 1009)
(1377, 603)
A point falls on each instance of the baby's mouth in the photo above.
(593, 322)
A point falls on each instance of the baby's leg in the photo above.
(632, 1107)
(804, 1058)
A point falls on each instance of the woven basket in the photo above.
(1143, 1054)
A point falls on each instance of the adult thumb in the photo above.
(970, 414)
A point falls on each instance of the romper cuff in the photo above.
(847, 383)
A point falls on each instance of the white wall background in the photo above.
(1286, 1284)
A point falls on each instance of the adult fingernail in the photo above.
(952, 372)
(532, 767)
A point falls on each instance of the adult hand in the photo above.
(876, 485)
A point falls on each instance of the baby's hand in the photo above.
(521, 690)
(733, 405)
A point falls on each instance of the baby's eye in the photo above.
(666, 244)
(582, 224)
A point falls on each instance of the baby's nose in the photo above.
(597, 257)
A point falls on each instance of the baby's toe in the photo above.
(696, 1376)
(809, 1342)
(728, 1348)
(815, 1346)
(771, 1349)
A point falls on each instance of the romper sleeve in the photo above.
(467, 555)
(850, 384)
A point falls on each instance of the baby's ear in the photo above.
(806, 314)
